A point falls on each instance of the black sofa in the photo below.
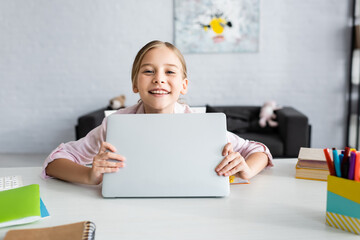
(283, 141)
(89, 121)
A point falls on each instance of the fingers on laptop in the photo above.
(227, 149)
(105, 155)
(108, 166)
(101, 159)
(107, 146)
(231, 164)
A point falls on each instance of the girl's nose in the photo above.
(159, 78)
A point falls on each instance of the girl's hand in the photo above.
(232, 164)
(101, 164)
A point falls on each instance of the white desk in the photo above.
(274, 205)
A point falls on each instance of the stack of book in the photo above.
(312, 164)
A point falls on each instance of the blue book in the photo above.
(43, 210)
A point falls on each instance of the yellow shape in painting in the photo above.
(217, 25)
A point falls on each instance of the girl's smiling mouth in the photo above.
(159, 92)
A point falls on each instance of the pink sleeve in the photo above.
(81, 151)
(246, 147)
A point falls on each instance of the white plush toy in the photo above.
(267, 114)
(117, 102)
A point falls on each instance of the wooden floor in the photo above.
(22, 159)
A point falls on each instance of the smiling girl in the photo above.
(159, 76)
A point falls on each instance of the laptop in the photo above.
(167, 155)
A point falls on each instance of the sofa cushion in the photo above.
(236, 121)
(242, 119)
(88, 122)
(272, 141)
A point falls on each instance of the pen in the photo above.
(337, 165)
(345, 163)
(357, 167)
(352, 166)
(329, 162)
(341, 156)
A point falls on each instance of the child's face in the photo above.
(160, 80)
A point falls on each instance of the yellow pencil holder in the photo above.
(343, 204)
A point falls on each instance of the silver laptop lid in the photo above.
(167, 155)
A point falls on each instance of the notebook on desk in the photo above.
(167, 155)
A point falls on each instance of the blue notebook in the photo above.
(43, 210)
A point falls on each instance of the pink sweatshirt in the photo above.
(83, 150)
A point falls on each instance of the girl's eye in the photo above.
(148, 71)
(170, 72)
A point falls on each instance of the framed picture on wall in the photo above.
(216, 26)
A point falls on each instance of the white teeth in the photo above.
(159, 92)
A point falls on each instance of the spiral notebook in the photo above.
(81, 230)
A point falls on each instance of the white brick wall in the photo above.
(62, 59)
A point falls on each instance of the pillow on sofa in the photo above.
(236, 121)
(242, 120)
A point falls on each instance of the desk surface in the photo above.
(274, 205)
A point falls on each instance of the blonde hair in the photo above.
(145, 49)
